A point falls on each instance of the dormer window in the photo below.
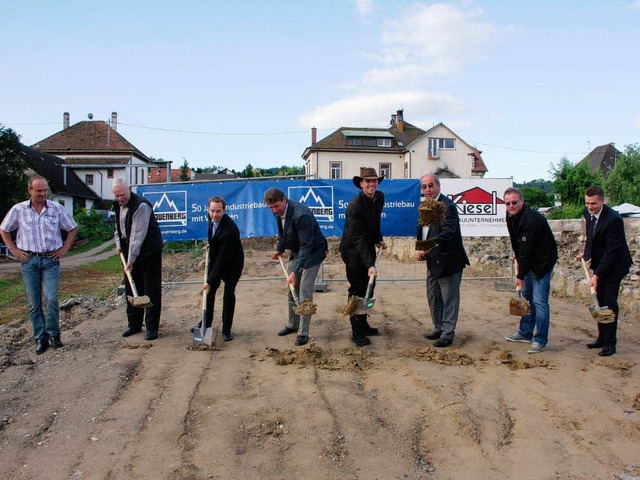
(368, 138)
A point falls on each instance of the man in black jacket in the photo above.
(360, 236)
(445, 263)
(298, 231)
(138, 237)
(536, 251)
(607, 248)
(226, 261)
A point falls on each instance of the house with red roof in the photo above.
(97, 153)
(400, 151)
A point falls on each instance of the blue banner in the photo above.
(181, 208)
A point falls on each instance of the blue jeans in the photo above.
(537, 293)
(42, 276)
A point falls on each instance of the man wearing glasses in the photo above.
(445, 263)
(536, 252)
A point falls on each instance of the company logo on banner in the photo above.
(480, 206)
(170, 207)
(319, 199)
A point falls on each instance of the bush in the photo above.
(566, 212)
(92, 226)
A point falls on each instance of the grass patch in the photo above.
(109, 265)
(10, 290)
(96, 242)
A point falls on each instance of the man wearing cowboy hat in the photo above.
(360, 236)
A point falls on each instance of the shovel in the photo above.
(361, 306)
(599, 314)
(518, 306)
(305, 308)
(136, 301)
(204, 334)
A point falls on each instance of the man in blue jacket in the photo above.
(536, 251)
(608, 251)
(298, 231)
(445, 263)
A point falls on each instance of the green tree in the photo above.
(249, 172)
(184, 171)
(545, 185)
(570, 181)
(536, 198)
(13, 177)
(623, 183)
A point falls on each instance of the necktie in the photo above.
(590, 233)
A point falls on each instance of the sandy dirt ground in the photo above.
(105, 407)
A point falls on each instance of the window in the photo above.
(88, 179)
(385, 170)
(335, 170)
(109, 172)
(354, 142)
(384, 142)
(368, 142)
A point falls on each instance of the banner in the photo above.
(181, 208)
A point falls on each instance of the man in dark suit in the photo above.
(607, 248)
(445, 263)
(360, 236)
(226, 261)
(298, 231)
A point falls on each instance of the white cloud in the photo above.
(375, 110)
(635, 5)
(636, 121)
(364, 8)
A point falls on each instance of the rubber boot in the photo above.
(369, 331)
(357, 329)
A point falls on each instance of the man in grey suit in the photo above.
(445, 263)
(298, 231)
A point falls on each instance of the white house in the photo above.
(400, 151)
(97, 153)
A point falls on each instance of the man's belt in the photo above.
(38, 254)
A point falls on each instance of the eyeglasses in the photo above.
(428, 185)
(515, 202)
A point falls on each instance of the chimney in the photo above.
(314, 135)
(65, 120)
(114, 121)
(400, 120)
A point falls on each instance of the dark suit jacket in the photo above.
(302, 236)
(226, 256)
(361, 231)
(610, 257)
(449, 256)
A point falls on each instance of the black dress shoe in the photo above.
(130, 331)
(301, 340)
(371, 332)
(227, 337)
(151, 335)
(607, 351)
(595, 344)
(433, 335)
(443, 342)
(361, 341)
(286, 331)
(56, 342)
(41, 346)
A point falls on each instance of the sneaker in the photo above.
(536, 347)
(516, 337)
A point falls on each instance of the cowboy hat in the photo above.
(366, 172)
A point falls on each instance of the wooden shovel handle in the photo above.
(586, 272)
(206, 273)
(517, 270)
(134, 290)
(286, 275)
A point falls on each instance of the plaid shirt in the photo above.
(38, 233)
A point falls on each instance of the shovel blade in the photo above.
(140, 302)
(602, 314)
(364, 305)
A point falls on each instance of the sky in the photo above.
(236, 83)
